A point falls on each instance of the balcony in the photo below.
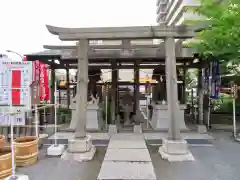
(178, 8)
(161, 8)
(161, 18)
(161, 2)
(162, 15)
(164, 2)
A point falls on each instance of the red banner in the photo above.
(43, 79)
(40, 74)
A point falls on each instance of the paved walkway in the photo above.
(147, 136)
(127, 157)
(219, 162)
(102, 139)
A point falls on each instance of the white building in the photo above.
(176, 12)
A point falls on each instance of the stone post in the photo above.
(174, 148)
(201, 127)
(82, 87)
(172, 90)
(180, 77)
(136, 93)
(52, 101)
(80, 148)
(68, 87)
(164, 88)
(200, 96)
(184, 85)
(113, 91)
(59, 97)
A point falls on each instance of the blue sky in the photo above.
(23, 21)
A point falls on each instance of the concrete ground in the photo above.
(218, 162)
(54, 168)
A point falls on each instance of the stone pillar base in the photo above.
(137, 129)
(160, 118)
(55, 150)
(79, 149)
(112, 129)
(40, 140)
(175, 151)
(201, 129)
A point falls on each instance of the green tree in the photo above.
(221, 37)
(191, 77)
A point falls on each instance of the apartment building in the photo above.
(176, 12)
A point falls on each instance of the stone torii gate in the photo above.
(81, 143)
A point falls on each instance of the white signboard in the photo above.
(18, 119)
(15, 80)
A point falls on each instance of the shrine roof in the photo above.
(68, 56)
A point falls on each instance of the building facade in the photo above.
(176, 12)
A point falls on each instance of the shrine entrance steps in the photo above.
(127, 158)
(125, 128)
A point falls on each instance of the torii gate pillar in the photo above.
(174, 148)
(80, 148)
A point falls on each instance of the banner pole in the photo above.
(36, 120)
(12, 143)
(55, 115)
(106, 112)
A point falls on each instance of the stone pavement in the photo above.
(54, 168)
(127, 158)
(218, 162)
(147, 136)
(102, 139)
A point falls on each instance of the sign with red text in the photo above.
(40, 74)
(15, 80)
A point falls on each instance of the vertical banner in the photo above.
(44, 90)
(40, 74)
(216, 80)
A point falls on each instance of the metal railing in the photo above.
(32, 125)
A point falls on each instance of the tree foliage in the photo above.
(191, 77)
(221, 37)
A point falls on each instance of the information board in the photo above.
(15, 80)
